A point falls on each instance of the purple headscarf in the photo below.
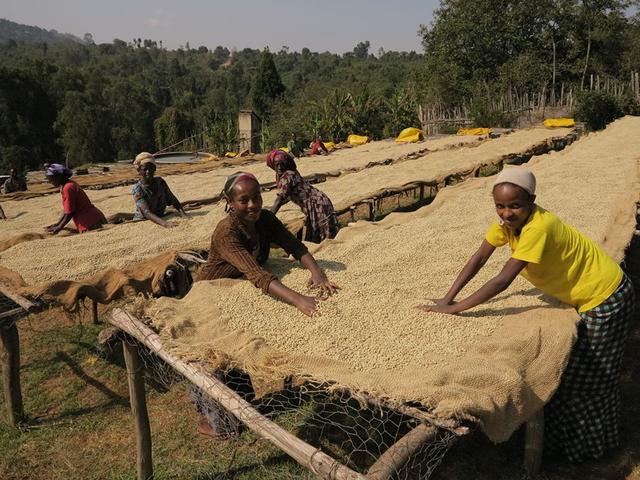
(57, 169)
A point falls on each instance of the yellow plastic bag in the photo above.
(284, 149)
(559, 122)
(356, 139)
(474, 131)
(410, 135)
(329, 145)
(230, 154)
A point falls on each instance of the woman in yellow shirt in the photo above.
(582, 418)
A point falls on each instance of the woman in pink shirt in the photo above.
(75, 203)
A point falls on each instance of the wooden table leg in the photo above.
(144, 466)
(534, 443)
(96, 320)
(11, 372)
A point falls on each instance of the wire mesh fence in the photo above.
(371, 441)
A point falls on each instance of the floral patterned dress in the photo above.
(320, 217)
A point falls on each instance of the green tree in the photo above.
(361, 50)
(27, 114)
(171, 127)
(267, 86)
(84, 125)
(130, 103)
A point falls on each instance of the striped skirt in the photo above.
(582, 419)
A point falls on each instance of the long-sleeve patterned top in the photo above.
(153, 198)
(235, 254)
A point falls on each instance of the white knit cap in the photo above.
(519, 176)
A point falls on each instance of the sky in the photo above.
(333, 25)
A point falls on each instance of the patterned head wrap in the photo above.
(281, 158)
(233, 179)
(142, 158)
(522, 177)
(57, 169)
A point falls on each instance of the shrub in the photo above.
(597, 109)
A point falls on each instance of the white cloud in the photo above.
(160, 19)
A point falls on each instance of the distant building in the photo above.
(250, 130)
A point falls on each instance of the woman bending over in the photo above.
(582, 418)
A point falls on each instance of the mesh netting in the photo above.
(350, 431)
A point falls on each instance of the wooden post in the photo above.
(534, 443)
(144, 467)
(96, 320)
(11, 372)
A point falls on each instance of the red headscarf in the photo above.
(281, 158)
(235, 178)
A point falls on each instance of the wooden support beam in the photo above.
(398, 454)
(137, 399)
(11, 313)
(18, 299)
(534, 443)
(96, 320)
(11, 372)
(308, 456)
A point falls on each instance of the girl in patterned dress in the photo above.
(320, 217)
(582, 418)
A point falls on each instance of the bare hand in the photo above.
(438, 308)
(170, 225)
(307, 305)
(321, 281)
(441, 301)
(184, 214)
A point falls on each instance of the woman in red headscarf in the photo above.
(320, 217)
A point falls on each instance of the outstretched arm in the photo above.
(493, 287)
(156, 219)
(280, 200)
(60, 224)
(472, 267)
(306, 304)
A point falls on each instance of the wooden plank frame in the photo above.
(308, 456)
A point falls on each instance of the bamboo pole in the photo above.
(399, 453)
(144, 464)
(534, 443)
(10, 340)
(310, 457)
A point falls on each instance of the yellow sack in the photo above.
(329, 145)
(559, 122)
(284, 149)
(230, 154)
(356, 139)
(410, 135)
(207, 157)
(474, 131)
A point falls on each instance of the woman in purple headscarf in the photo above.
(75, 203)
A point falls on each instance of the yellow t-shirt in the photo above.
(563, 262)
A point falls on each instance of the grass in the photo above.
(79, 424)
